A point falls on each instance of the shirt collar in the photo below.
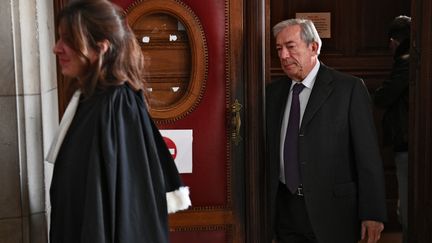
(309, 81)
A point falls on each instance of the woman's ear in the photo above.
(103, 46)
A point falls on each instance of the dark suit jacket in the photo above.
(339, 157)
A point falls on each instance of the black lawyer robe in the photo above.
(112, 173)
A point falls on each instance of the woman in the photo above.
(112, 168)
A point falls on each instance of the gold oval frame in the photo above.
(198, 46)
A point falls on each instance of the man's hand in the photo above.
(371, 230)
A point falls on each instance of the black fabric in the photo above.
(393, 97)
(340, 164)
(292, 221)
(112, 174)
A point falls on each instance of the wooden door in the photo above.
(213, 115)
(205, 66)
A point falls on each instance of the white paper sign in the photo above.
(321, 20)
(179, 143)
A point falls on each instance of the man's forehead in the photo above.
(289, 34)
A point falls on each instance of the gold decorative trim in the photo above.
(199, 70)
(227, 42)
(224, 227)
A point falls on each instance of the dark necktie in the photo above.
(291, 165)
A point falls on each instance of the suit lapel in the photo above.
(321, 90)
(285, 88)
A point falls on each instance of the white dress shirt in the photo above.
(308, 82)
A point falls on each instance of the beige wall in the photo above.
(28, 117)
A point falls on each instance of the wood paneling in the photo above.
(212, 235)
(176, 56)
(358, 40)
(374, 18)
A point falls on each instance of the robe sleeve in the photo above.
(177, 194)
(145, 184)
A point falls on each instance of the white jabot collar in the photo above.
(63, 128)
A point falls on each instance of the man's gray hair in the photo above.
(308, 32)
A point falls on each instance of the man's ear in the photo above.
(103, 46)
(314, 47)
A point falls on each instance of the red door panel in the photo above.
(211, 219)
(208, 182)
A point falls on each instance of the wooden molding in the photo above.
(199, 55)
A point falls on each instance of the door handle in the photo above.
(236, 122)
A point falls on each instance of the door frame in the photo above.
(420, 151)
(256, 73)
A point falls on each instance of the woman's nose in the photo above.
(56, 48)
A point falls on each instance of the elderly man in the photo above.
(325, 175)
